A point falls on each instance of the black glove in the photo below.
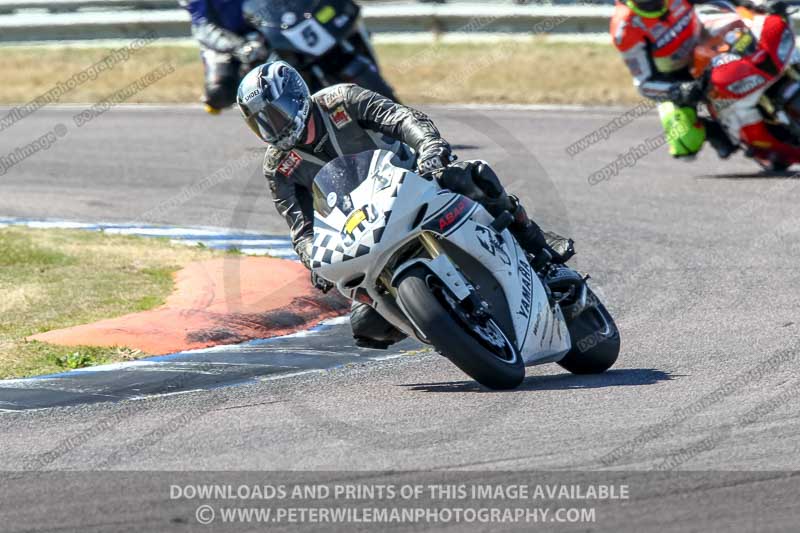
(687, 93)
(434, 159)
(321, 283)
(251, 53)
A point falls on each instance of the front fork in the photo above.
(449, 276)
(440, 265)
(431, 244)
(388, 277)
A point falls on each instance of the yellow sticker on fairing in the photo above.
(326, 14)
(354, 220)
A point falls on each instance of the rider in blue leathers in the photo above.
(229, 47)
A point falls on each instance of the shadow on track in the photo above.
(464, 147)
(614, 378)
(757, 175)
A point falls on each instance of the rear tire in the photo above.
(595, 340)
(428, 309)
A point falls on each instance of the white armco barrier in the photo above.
(67, 19)
(70, 20)
(57, 6)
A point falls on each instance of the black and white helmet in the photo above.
(275, 102)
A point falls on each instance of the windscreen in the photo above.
(271, 12)
(337, 179)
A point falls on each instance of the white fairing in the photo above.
(737, 114)
(355, 262)
(541, 332)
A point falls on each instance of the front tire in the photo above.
(595, 340)
(432, 311)
(773, 166)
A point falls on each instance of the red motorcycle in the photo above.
(750, 63)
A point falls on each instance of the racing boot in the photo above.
(211, 110)
(477, 180)
(533, 240)
(718, 139)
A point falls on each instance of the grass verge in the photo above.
(52, 279)
(533, 72)
(505, 72)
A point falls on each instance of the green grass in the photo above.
(511, 72)
(51, 279)
(504, 72)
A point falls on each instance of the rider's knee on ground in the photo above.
(368, 324)
(221, 79)
(221, 93)
(684, 132)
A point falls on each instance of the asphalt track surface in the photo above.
(696, 262)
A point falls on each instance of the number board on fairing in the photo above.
(310, 37)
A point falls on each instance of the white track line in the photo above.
(247, 242)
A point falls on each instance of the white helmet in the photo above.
(275, 102)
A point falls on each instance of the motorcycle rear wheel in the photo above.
(476, 349)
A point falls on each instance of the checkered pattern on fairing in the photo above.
(328, 249)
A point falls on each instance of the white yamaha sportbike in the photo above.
(441, 269)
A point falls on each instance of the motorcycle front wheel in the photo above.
(595, 340)
(482, 351)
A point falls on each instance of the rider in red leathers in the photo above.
(657, 39)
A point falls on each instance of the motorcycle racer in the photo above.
(303, 132)
(657, 39)
(228, 44)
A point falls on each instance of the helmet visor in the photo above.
(279, 121)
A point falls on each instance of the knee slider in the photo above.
(369, 324)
